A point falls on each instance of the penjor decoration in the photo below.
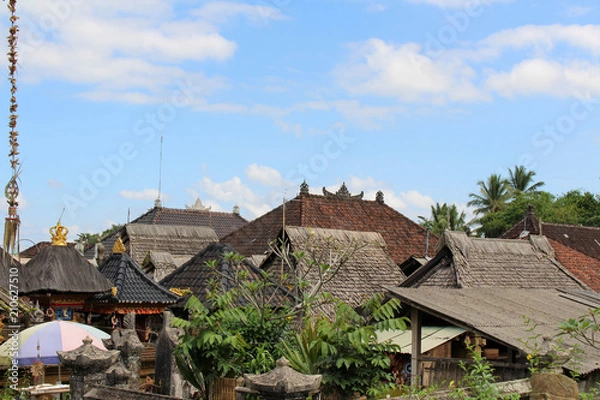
(11, 227)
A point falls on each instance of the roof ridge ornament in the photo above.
(343, 193)
(59, 234)
(119, 247)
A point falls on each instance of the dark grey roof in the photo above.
(61, 269)
(498, 313)
(132, 284)
(464, 261)
(196, 276)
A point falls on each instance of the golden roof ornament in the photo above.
(59, 234)
(119, 247)
(114, 290)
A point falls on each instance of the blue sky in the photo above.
(418, 98)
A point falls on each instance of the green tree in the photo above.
(93, 238)
(492, 197)
(445, 217)
(495, 224)
(521, 180)
(237, 330)
(345, 349)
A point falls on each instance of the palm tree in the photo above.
(521, 180)
(445, 217)
(492, 195)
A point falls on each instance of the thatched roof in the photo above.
(159, 264)
(404, 237)
(222, 223)
(197, 276)
(132, 285)
(498, 314)
(177, 240)
(61, 269)
(464, 261)
(360, 263)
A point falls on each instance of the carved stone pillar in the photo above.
(88, 365)
(128, 343)
(283, 383)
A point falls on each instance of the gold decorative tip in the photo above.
(59, 235)
(119, 247)
(179, 291)
(114, 290)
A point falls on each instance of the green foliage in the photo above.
(93, 238)
(521, 180)
(236, 332)
(444, 217)
(584, 329)
(492, 196)
(479, 381)
(345, 349)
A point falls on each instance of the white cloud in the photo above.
(145, 195)
(405, 72)
(544, 38)
(539, 76)
(236, 192)
(127, 50)
(222, 11)
(264, 175)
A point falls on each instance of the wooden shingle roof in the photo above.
(178, 240)
(403, 237)
(498, 313)
(464, 262)
(364, 264)
(576, 247)
(197, 276)
(222, 223)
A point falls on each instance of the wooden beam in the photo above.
(415, 326)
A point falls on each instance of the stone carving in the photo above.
(128, 343)
(283, 383)
(343, 193)
(88, 365)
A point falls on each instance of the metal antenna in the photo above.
(158, 203)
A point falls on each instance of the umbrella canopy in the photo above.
(41, 342)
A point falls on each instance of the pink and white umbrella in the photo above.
(41, 342)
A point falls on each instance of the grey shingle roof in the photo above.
(498, 313)
(196, 276)
(464, 261)
(364, 263)
(133, 285)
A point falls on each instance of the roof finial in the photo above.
(59, 234)
(304, 188)
(379, 197)
(119, 247)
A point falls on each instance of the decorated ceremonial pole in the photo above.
(11, 226)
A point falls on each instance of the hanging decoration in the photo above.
(11, 191)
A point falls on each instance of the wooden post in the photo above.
(415, 326)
